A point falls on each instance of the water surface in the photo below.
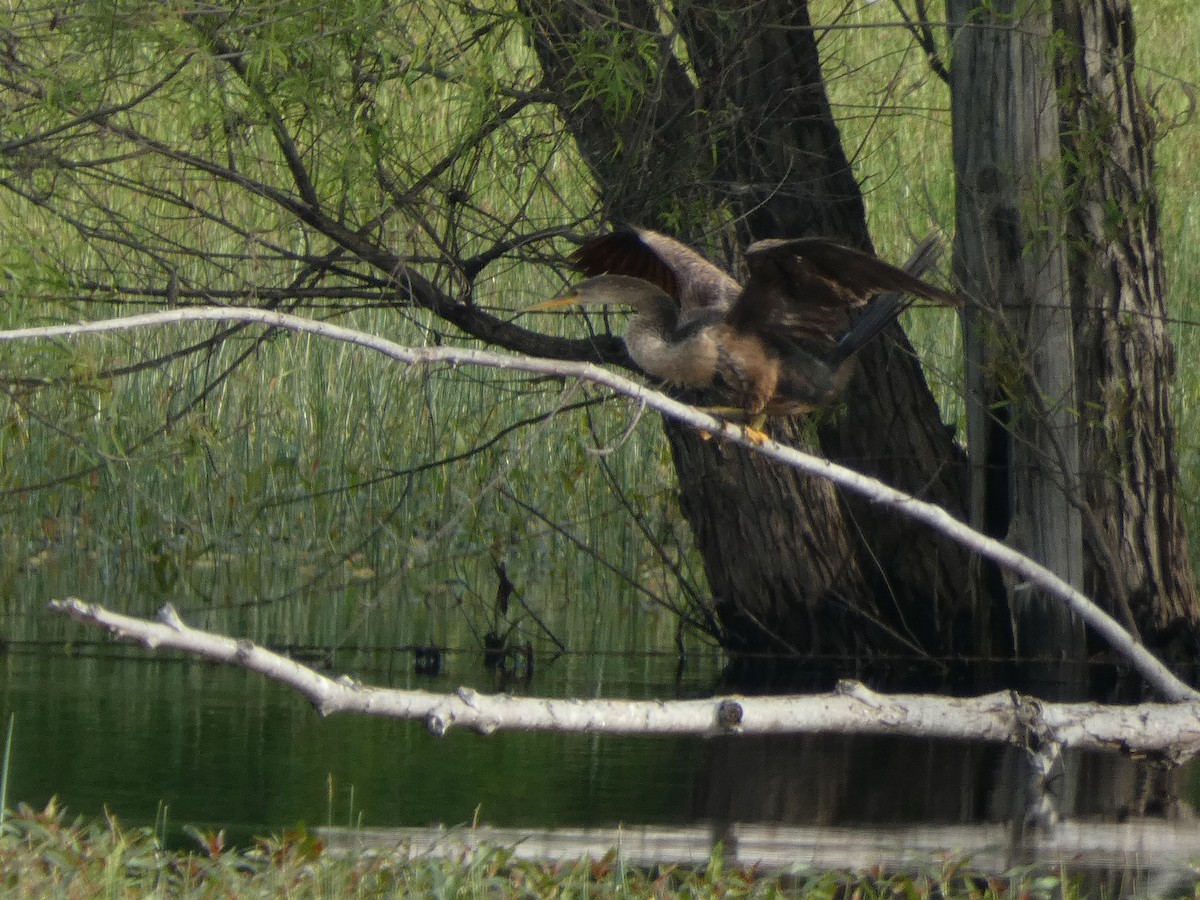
(123, 730)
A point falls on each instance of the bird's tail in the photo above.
(886, 308)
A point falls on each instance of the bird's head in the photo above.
(611, 290)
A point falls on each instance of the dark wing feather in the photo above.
(624, 253)
(693, 281)
(859, 273)
(887, 307)
(786, 294)
(807, 286)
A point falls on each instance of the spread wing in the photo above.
(807, 287)
(694, 282)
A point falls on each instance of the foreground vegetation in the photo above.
(43, 853)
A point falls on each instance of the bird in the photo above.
(779, 345)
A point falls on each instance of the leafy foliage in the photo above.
(398, 166)
(349, 159)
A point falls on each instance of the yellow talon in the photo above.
(752, 427)
(755, 435)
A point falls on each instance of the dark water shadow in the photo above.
(849, 792)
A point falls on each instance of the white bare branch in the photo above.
(1022, 566)
(1169, 731)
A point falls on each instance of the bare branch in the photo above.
(408, 282)
(202, 21)
(1022, 566)
(922, 33)
(1170, 731)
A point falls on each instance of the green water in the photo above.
(128, 732)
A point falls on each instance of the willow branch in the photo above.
(403, 278)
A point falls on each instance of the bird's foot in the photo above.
(753, 429)
(752, 425)
(720, 412)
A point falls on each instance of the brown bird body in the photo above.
(780, 345)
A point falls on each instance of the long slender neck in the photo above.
(683, 354)
(685, 357)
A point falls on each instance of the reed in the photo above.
(319, 496)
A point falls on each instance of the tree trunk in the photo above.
(780, 165)
(1096, 467)
(1022, 428)
(777, 552)
(1068, 361)
(781, 160)
(1137, 558)
(774, 543)
(792, 566)
(738, 127)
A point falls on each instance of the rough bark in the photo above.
(1137, 558)
(792, 566)
(1022, 430)
(634, 122)
(776, 550)
(774, 543)
(782, 166)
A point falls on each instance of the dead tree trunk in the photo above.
(1022, 427)
(1137, 563)
(1068, 358)
(1069, 374)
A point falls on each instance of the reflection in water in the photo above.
(811, 791)
(221, 747)
(865, 779)
(843, 780)
(1144, 847)
(853, 780)
(863, 797)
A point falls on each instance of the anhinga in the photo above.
(779, 345)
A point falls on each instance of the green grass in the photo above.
(43, 853)
(279, 495)
(300, 499)
(1172, 74)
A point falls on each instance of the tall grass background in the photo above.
(303, 501)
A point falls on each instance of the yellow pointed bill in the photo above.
(570, 298)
